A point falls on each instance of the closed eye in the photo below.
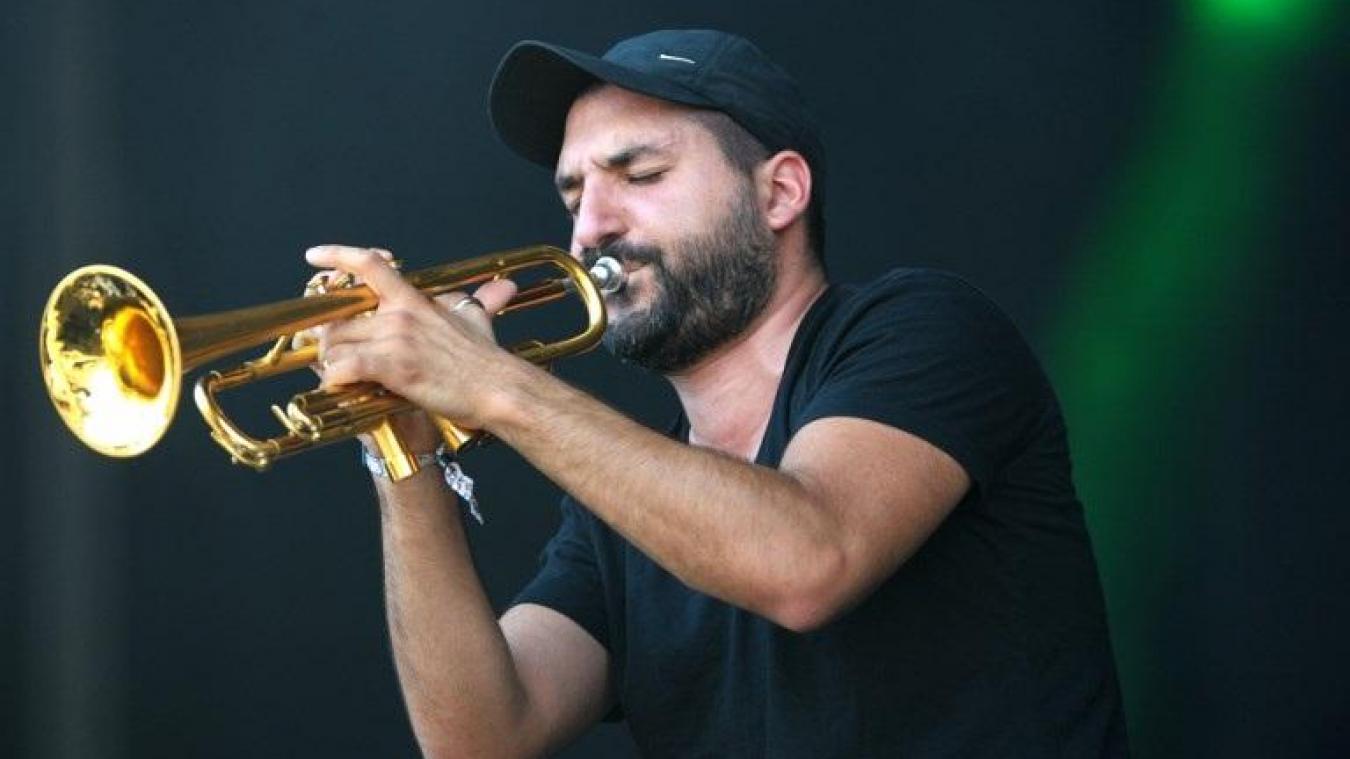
(650, 177)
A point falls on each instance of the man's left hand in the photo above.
(437, 353)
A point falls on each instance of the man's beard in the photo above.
(719, 282)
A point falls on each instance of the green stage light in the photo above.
(1273, 18)
(1163, 277)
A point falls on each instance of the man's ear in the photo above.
(785, 188)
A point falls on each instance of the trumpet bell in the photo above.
(111, 360)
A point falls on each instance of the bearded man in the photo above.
(860, 540)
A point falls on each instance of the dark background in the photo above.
(1151, 189)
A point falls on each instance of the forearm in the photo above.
(750, 535)
(462, 690)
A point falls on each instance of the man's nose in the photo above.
(599, 220)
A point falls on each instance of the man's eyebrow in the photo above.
(619, 159)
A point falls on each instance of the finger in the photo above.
(370, 265)
(379, 324)
(466, 310)
(349, 364)
(339, 366)
(490, 299)
(447, 301)
(495, 295)
(323, 250)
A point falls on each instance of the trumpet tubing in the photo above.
(114, 360)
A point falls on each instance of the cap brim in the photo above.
(536, 83)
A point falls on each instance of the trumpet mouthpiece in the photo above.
(608, 275)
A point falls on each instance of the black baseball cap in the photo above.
(536, 83)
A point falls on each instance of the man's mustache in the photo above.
(623, 252)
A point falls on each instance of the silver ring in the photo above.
(469, 301)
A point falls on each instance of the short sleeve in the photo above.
(569, 578)
(927, 353)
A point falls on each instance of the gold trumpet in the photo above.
(113, 359)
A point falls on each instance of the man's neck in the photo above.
(728, 396)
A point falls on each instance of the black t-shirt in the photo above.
(990, 641)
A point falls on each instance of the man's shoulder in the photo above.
(902, 293)
(905, 314)
(917, 281)
(920, 320)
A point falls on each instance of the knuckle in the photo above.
(403, 345)
(362, 365)
(348, 368)
(406, 369)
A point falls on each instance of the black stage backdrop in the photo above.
(1066, 157)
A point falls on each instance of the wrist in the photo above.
(383, 469)
(389, 454)
(509, 398)
(442, 461)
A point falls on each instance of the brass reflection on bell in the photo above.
(106, 346)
